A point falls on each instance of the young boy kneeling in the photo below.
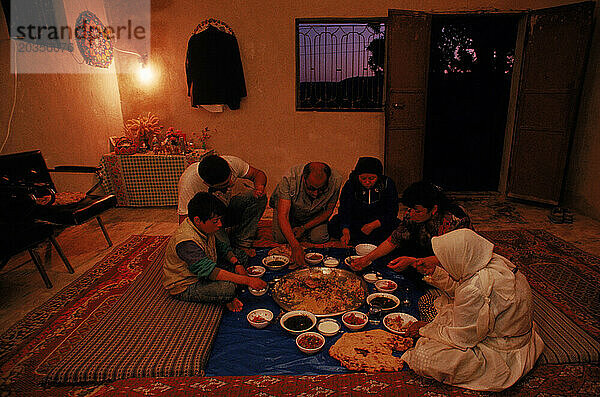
(200, 268)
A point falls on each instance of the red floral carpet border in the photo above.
(562, 273)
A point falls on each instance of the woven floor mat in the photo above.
(564, 341)
(565, 282)
(146, 334)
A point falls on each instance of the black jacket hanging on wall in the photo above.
(214, 69)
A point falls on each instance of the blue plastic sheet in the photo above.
(240, 349)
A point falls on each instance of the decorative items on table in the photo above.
(124, 145)
(200, 139)
(142, 131)
(175, 141)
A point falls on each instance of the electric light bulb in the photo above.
(145, 74)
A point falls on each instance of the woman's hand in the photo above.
(298, 255)
(259, 191)
(427, 265)
(402, 263)
(368, 228)
(345, 239)
(413, 330)
(359, 263)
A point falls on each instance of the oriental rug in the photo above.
(58, 325)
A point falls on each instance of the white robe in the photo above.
(483, 337)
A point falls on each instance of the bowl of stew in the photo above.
(313, 258)
(256, 271)
(383, 300)
(310, 342)
(298, 321)
(260, 318)
(355, 320)
(276, 262)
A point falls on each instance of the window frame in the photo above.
(334, 20)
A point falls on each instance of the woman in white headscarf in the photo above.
(483, 337)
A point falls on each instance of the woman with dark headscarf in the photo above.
(368, 205)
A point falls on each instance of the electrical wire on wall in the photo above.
(12, 110)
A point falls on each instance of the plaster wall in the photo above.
(267, 131)
(70, 117)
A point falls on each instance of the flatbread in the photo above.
(370, 351)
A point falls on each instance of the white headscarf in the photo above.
(463, 253)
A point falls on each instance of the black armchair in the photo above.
(29, 169)
(19, 232)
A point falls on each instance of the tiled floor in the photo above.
(22, 289)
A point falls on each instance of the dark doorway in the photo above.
(469, 81)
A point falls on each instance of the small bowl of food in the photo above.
(386, 285)
(370, 277)
(260, 318)
(275, 262)
(364, 249)
(298, 321)
(383, 300)
(257, 292)
(328, 327)
(398, 323)
(355, 320)
(256, 271)
(331, 262)
(310, 342)
(313, 258)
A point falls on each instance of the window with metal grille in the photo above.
(340, 64)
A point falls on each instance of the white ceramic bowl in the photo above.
(350, 317)
(384, 296)
(328, 326)
(275, 262)
(370, 277)
(331, 262)
(256, 271)
(306, 323)
(256, 317)
(313, 258)
(257, 292)
(310, 342)
(364, 249)
(386, 285)
(398, 322)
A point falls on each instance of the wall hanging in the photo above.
(94, 44)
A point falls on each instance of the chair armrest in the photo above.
(75, 168)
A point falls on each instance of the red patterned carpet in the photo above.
(53, 329)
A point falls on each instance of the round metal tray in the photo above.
(322, 275)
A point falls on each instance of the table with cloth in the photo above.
(240, 349)
(145, 180)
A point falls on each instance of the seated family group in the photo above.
(480, 334)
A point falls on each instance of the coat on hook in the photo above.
(214, 69)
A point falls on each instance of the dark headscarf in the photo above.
(368, 165)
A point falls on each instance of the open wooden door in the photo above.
(556, 49)
(408, 36)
